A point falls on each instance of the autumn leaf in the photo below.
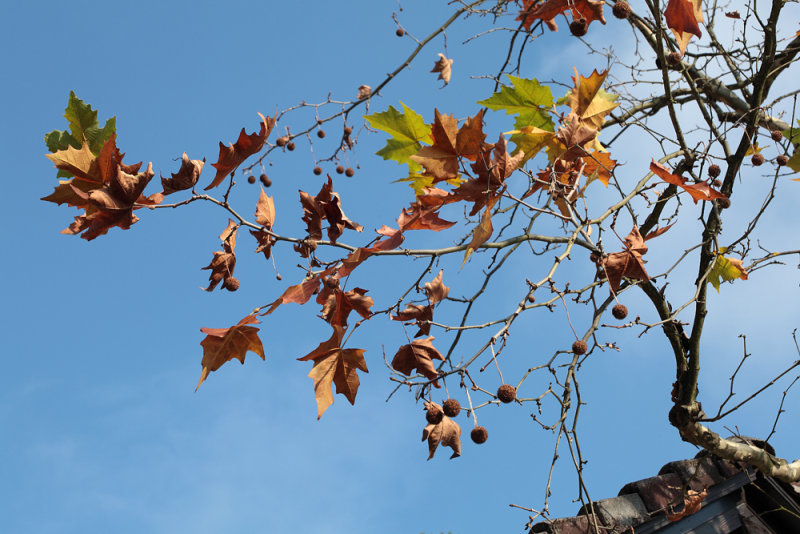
(726, 270)
(422, 216)
(444, 67)
(186, 177)
(627, 263)
(408, 131)
(300, 293)
(447, 433)
(589, 10)
(598, 166)
(265, 216)
(436, 290)
(224, 261)
(334, 365)
(525, 98)
(491, 174)
(682, 18)
(231, 156)
(698, 191)
(692, 502)
(481, 233)
(449, 144)
(589, 101)
(221, 345)
(337, 304)
(419, 355)
(83, 125)
(325, 206)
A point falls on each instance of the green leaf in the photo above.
(527, 99)
(726, 270)
(408, 131)
(793, 135)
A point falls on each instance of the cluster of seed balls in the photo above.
(621, 10)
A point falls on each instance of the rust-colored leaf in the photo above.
(627, 263)
(300, 293)
(419, 355)
(692, 502)
(265, 216)
(231, 156)
(221, 345)
(589, 10)
(334, 365)
(481, 233)
(224, 261)
(447, 433)
(491, 174)
(598, 166)
(325, 206)
(186, 177)
(682, 18)
(698, 191)
(419, 313)
(337, 304)
(444, 67)
(394, 238)
(436, 290)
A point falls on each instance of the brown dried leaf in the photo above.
(394, 238)
(627, 263)
(364, 91)
(300, 293)
(326, 205)
(337, 304)
(418, 355)
(682, 18)
(186, 177)
(419, 313)
(692, 502)
(698, 191)
(231, 156)
(590, 10)
(221, 345)
(444, 67)
(447, 433)
(436, 290)
(224, 261)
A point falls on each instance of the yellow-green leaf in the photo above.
(408, 131)
(726, 270)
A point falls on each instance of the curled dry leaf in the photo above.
(364, 91)
(444, 67)
(698, 191)
(326, 205)
(627, 263)
(265, 216)
(224, 261)
(231, 156)
(221, 345)
(337, 304)
(419, 355)
(692, 502)
(446, 433)
(436, 290)
(393, 239)
(300, 293)
(589, 10)
(186, 177)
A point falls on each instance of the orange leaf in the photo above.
(682, 18)
(627, 263)
(692, 502)
(418, 355)
(698, 191)
(221, 345)
(444, 67)
(186, 177)
(224, 261)
(590, 10)
(231, 156)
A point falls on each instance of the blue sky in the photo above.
(102, 428)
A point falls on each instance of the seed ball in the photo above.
(714, 171)
(531, 298)
(349, 172)
(321, 134)
(317, 170)
(757, 159)
(776, 135)
(231, 283)
(451, 407)
(348, 130)
(290, 145)
(506, 393)
(674, 59)
(619, 311)
(782, 160)
(621, 9)
(479, 435)
(399, 32)
(339, 169)
(265, 180)
(578, 27)
(251, 179)
(281, 141)
(278, 277)
(579, 347)
(724, 203)
(434, 416)
(594, 257)
(717, 183)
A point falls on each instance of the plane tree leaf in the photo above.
(231, 156)
(726, 270)
(525, 98)
(221, 345)
(408, 132)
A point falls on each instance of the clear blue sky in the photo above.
(101, 429)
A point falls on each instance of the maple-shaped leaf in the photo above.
(682, 18)
(224, 261)
(423, 214)
(300, 293)
(573, 136)
(231, 156)
(419, 355)
(436, 290)
(265, 216)
(598, 166)
(444, 67)
(83, 125)
(337, 304)
(408, 131)
(334, 365)
(491, 174)
(326, 205)
(449, 143)
(186, 177)
(589, 101)
(589, 10)
(627, 263)
(726, 270)
(393, 239)
(531, 140)
(698, 191)
(422, 315)
(221, 345)
(447, 433)
(525, 98)
(89, 171)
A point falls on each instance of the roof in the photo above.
(739, 500)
